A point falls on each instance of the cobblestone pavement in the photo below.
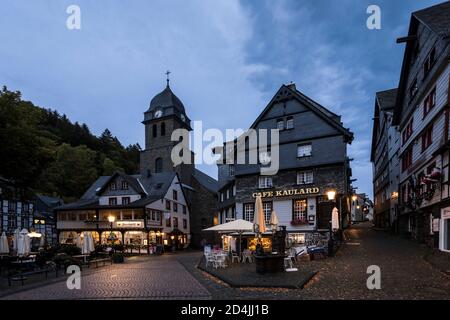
(404, 272)
(159, 277)
(404, 275)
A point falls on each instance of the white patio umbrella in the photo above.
(4, 246)
(85, 249)
(42, 241)
(240, 226)
(16, 239)
(335, 219)
(91, 245)
(24, 244)
(259, 219)
(78, 241)
(274, 222)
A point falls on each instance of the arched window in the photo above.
(158, 165)
(163, 129)
(155, 128)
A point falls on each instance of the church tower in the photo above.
(165, 114)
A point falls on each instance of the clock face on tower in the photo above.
(158, 113)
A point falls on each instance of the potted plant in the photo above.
(118, 257)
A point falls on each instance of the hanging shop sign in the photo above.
(287, 192)
(129, 224)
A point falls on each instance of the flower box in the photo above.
(299, 222)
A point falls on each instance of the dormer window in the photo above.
(113, 186)
(124, 185)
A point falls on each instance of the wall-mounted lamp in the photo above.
(331, 195)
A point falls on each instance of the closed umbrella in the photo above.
(16, 239)
(42, 241)
(274, 220)
(4, 246)
(78, 241)
(85, 249)
(335, 219)
(24, 243)
(259, 219)
(91, 245)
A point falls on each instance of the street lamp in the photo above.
(111, 220)
(354, 198)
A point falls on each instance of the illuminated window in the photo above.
(300, 210)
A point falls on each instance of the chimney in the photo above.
(292, 86)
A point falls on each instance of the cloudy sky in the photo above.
(227, 58)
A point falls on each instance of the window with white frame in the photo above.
(304, 150)
(280, 124)
(249, 211)
(264, 157)
(305, 177)
(265, 182)
(300, 210)
(267, 208)
(290, 123)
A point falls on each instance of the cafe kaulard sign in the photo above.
(287, 192)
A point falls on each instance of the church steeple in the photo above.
(165, 114)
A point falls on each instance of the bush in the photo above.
(69, 249)
(63, 259)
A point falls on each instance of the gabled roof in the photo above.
(206, 181)
(132, 182)
(436, 18)
(287, 92)
(153, 188)
(384, 101)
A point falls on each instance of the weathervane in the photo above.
(167, 74)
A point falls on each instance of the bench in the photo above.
(22, 276)
(101, 260)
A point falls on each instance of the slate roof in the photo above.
(386, 99)
(155, 187)
(289, 91)
(437, 18)
(166, 98)
(206, 181)
(49, 201)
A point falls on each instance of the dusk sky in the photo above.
(227, 58)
